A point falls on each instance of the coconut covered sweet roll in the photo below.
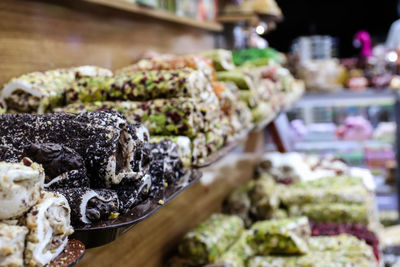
(12, 244)
(41, 91)
(49, 227)
(20, 186)
(105, 140)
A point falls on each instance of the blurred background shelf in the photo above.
(159, 14)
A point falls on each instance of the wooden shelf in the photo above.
(252, 18)
(159, 14)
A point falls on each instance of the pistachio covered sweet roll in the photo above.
(238, 254)
(209, 240)
(142, 86)
(222, 59)
(184, 146)
(172, 63)
(160, 116)
(286, 236)
(264, 198)
(239, 203)
(20, 186)
(49, 227)
(41, 91)
(12, 244)
(105, 140)
(332, 212)
(199, 149)
(90, 205)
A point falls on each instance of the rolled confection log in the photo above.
(237, 254)
(133, 192)
(20, 186)
(161, 116)
(241, 78)
(222, 59)
(69, 179)
(12, 244)
(264, 198)
(286, 236)
(332, 212)
(41, 91)
(215, 139)
(199, 149)
(105, 140)
(142, 86)
(183, 143)
(49, 227)
(172, 63)
(90, 205)
(55, 158)
(165, 168)
(209, 240)
(238, 202)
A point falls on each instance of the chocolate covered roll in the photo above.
(41, 91)
(49, 227)
(20, 186)
(89, 205)
(12, 244)
(105, 140)
(183, 143)
(63, 166)
(166, 167)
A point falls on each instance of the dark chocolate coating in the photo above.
(56, 159)
(93, 135)
(70, 179)
(96, 208)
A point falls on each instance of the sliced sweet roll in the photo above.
(12, 244)
(49, 227)
(20, 186)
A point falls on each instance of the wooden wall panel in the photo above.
(41, 35)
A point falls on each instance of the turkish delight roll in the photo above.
(63, 166)
(237, 254)
(20, 186)
(160, 116)
(103, 139)
(332, 212)
(183, 143)
(49, 227)
(239, 203)
(172, 63)
(12, 244)
(41, 91)
(209, 240)
(222, 59)
(90, 205)
(141, 86)
(199, 149)
(242, 79)
(286, 236)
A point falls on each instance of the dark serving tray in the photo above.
(73, 252)
(104, 232)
